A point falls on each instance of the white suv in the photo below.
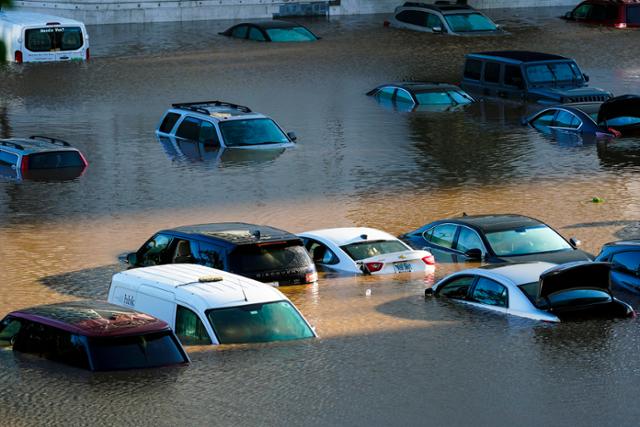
(222, 124)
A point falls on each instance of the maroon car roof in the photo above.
(92, 319)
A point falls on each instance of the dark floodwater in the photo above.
(387, 358)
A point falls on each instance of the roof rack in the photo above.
(438, 5)
(50, 140)
(11, 144)
(200, 107)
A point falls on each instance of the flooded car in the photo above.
(429, 96)
(362, 250)
(610, 13)
(624, 256)
(271, 31)
(206, 306)
(495, 239)
(538, 291)
(92, 335)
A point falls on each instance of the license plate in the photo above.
(402, 267)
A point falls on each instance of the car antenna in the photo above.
(244, 295)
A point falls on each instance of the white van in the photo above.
(34, 37)
(208, 306)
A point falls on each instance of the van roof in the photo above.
(238, 233)
(202, 286)
(92, 319)
(30, 18)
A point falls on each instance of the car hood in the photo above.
(626, 105)
(557, 257)
(569, 94)
(574, 276)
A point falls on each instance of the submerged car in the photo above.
(611, 13)
(528, 76)
(624, 257)
(363, 250)
(437, 96)
(619, 116)
(539, 291)
(206, 306)
(223, 124)
(260, 252)
(92, 335)
(494, 239)
(443, 17)
(271, 31)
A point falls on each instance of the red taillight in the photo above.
(386, 23)
(19, 56)
(24, 166)
(83, 159)
(372, 267)
(88, 54)
(311, 277)
(616, 133)
(621, 25)
(429, 260)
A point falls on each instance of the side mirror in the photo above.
(474, 254)
(568, 15)
(437, 30)
(428, 292)
(132, 259)
(575, 242)
(586, 77)
(292, 136)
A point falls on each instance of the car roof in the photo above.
(521, 55)
(630, 242)
(441, 6)
(274, 23)
(92, 319)
(585, 107)
(218, 110)
(30, 18)
(34, 145)
(519, 274)
(238, 233)
(495, 222)
(346, 235)
(422, 86)
(208, 287)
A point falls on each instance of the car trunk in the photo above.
(621, 113)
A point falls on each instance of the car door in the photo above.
(491, 79)
(544, 121)
(440, 240)
(320, 253)
(512, 82)
(489, 294)
(466, 240)
(625, 270)
(566, 121)
(189, 327)
(457, 287)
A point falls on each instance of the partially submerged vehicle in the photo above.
(271, 31)
(207, 306)
(35, 37)
(610, 13)
(92, 335)
(624, 256)
(539, 291)
(618, 116)
(422, 96)
(362, 250)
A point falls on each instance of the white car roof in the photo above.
(223, 114)
(30, 18)
(189, 283)
(346, 235)
(519, 274)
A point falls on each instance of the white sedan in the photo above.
(363, 250)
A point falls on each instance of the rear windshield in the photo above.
(140, 351)
(296, 34)
(468, 22)
(274, 321)
(255, 258)
(54, 160)
(526, 240)
(53, 39)
(364, 250)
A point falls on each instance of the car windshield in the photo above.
(252, 258)
(554, 72)
(133, 352)
(469, 22)
(526, 240)
(364, 250)
(241, 133)
(295, 34)
(274, 321)
(54, 160)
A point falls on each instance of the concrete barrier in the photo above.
(123, 11)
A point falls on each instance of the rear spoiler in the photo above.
(575, 275)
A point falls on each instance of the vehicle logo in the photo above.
(402, 257)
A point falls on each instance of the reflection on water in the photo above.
(385, 356)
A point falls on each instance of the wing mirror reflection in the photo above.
(586, 77)
(575, 242)
(437, 30)
(474, 254)
(131, 259)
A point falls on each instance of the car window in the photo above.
(526, 240)
(208, 134)
(237, 133)
(469, 239)
(513, 76)
(189, 328)
(183, 251)
(320, 253)
(189, 129)
(364, 250)
(386, 92)
(545, 119)
(53, 39)
(413, 17)
(9, 329)
(8, 159)
(457, 287)
(492, 72)
(240, 32)
(210, 255)
(489, 292)
(433, 21)
(582, 11)
(469, 22)
(169, 122)
(256, 34)
(565, 119)
(443, 235)
(472, 69)
(438, 98)
(600, 12)
(629, 262)
(155, 251)
(633, 14)
(295, 34)
(460, 97)
(403, 96)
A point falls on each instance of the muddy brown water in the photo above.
(390, 358)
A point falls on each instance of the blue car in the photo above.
(624, 257)
(421, 96)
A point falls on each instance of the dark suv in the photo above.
(530, 76)
(613, 13)
(259, 252)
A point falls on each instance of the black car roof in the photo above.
(499, 222)
(238, 233)
(522, 55)
(274, 23)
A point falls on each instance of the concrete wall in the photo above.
(121, 11)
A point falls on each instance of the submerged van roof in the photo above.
(30, 18)
(202, 286)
